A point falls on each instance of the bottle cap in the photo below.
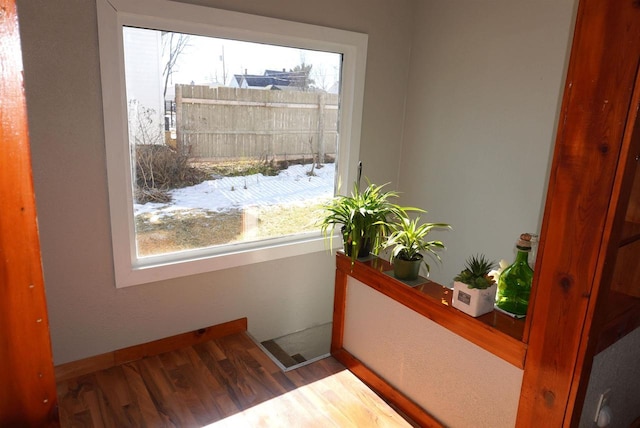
(524, 243)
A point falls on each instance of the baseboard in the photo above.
(136, 352)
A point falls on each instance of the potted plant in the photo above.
(408, 238)
(362, 218)
(474, 290)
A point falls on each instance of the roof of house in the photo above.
(269, 78)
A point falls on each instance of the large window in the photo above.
(225, 133)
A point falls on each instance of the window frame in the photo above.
(180, 17)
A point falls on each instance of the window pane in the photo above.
(230, 141)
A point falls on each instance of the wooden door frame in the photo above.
(571, 279)
(28, 391)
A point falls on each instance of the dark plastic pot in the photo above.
(363, 252)
(407, 270)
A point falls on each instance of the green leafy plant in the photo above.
(476, 272)
(362, 217)
(408, 238)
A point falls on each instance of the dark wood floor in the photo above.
(227, 382)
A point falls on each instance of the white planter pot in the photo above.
(473, 301)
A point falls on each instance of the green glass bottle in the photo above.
(514, 286)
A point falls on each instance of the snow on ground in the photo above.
(291, 186)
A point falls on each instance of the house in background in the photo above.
(143, 73)
(455, 91)
(271, 79)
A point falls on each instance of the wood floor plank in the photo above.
(100, 416)
(355, 395)
(163, 392)
(267, 363)
(211, 391)
(69, 404)
(226, 382)
(149, 414)
(115, 394)
(241, 373)
(194, 394)
(217, 369)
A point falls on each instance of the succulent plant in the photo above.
(476, 272)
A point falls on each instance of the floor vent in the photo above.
(300, 348)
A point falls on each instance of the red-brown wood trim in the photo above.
(597, 95)
(441, 312)
(136, 352)
(604, 325)
(28, 391)
(339, 304)
(388, 392)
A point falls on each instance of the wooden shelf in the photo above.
(630, 233)
(622, 317)
(495, 332)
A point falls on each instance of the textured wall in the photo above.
(456, 381)
(88, 314)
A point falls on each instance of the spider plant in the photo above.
(362, 217)
(408, 238)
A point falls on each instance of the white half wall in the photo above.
(456, 381)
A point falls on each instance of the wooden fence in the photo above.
(232, 123)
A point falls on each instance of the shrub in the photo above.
(160, 168)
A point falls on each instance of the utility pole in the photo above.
(224, 69)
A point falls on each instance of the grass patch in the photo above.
(193, 229)
(186, 230)
(279, 220)
(238, 168)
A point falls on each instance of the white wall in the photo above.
(88, 315)
(485, 86)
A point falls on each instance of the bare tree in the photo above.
(173, 45)
(144, 128)
(299, 76)
(320, 78)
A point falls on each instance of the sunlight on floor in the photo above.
(335, 401)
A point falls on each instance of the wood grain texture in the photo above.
(625, 203)
(136, 352)
(622, 317)
(633, 212)
(27, 389)
(614, 309)
(382, 387)
(577, 225)
(339, 305)
(626, 275)
(227, 382)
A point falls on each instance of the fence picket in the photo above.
(230, 123)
